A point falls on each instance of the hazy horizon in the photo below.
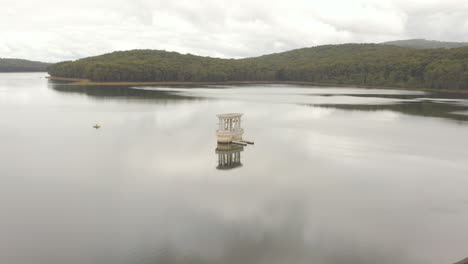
(234, 57)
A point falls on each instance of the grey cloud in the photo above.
(440, 25)
(61, 30)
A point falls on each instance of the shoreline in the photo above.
(86, 82)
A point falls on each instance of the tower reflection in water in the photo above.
(229, 156)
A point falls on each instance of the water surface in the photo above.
(336, 175)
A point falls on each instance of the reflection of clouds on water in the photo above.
(273, 89)
(360, 99)
(408, 102)
(280, 233)
(177, 116)
(299, 113)
(323, 184)
(288, 94)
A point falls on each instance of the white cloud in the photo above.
(54, 30)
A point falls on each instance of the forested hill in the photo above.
(426, 44)
(18, 65)
(356, 64)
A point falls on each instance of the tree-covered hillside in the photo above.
(357, 64)
(426, 44)
(18, 65)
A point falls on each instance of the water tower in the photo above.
(229, 129)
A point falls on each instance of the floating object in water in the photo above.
(96, 126)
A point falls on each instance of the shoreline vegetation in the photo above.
(20, 65)
(86, 82)
(363, 65)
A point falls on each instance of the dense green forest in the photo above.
(356, 64)
(17, 65)
(426, 44)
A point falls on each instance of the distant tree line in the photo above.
(355, 64)
(18, 65)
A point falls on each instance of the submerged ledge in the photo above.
(78, 81)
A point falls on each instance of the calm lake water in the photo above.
(336, 175)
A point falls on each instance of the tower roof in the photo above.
(229, 115)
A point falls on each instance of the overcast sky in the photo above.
(55, 30)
